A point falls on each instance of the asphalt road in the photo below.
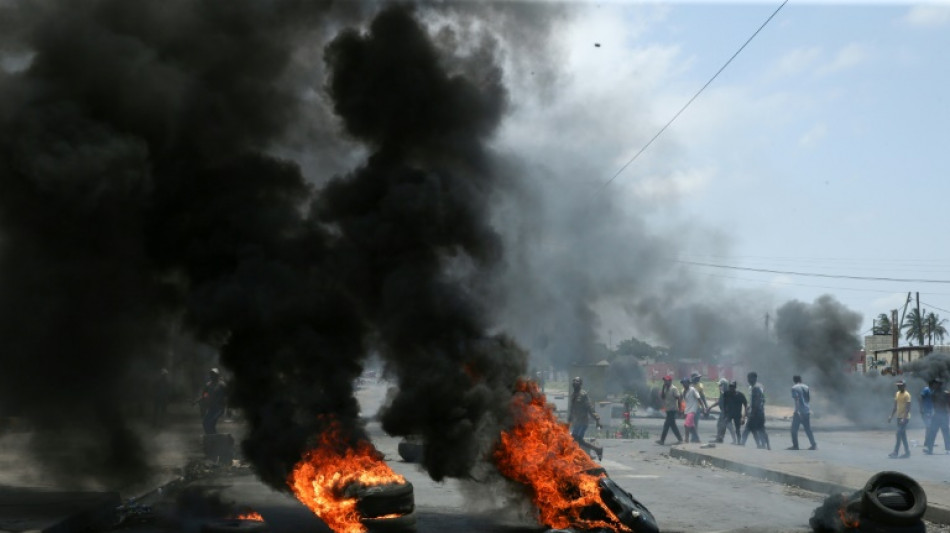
(682, 496)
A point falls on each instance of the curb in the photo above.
(937, 514)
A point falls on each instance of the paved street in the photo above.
(680, 485)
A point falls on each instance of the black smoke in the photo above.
(414, 241)
(136, 189)
(817, 341)
(935, 365)
(139, 189)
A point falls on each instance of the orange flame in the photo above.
(848, 520)
(252, 515)
(321, 478)
(540, 453)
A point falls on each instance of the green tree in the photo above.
(636, 348)
(934, 326)
(882, 325)
(914, 327)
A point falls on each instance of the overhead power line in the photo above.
(701, 89)
(935, 307)
(814, 274)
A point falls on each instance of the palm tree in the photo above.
(882, 325)
(933, 325)
(914, 326)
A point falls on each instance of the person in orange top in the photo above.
(902, 409)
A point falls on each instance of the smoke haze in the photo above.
(300, 184)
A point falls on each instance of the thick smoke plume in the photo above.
(140, 189)
(136, 189)
(415, 245)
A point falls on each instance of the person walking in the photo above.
(802, 417)
(693, 406)
(735, 404)
(670, 398)
(941, 417)
(902, 400)
(755, 414)
(578, 413)
(697, 380)
(927, 407)
(212, 401)
(724, 422)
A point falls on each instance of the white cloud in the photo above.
(796, 62)
(850, 56)
(813, 136)
(928, 15)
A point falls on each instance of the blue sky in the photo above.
(822, 148)
(848, 158)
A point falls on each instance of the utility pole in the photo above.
(767, 317)
(894, 332)
(894, 326)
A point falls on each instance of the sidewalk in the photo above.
(807, 470)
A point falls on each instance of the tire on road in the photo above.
(383, 500)
(893, 499)
(628, 509)
(406, 522)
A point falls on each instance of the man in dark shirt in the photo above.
(927, 406)
(941, 417)
(724, 422)
(731, 404)
(212, 401)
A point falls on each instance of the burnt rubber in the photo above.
(382, 500)
(628, 509)
(406, 522)
(893, 499)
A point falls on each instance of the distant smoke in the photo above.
(817, 341)
(935, 365)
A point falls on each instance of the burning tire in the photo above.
(893, 499)
(629, 511)
(385, 500)
(406, 522)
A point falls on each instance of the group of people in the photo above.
(934, 410)
(735, 410)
